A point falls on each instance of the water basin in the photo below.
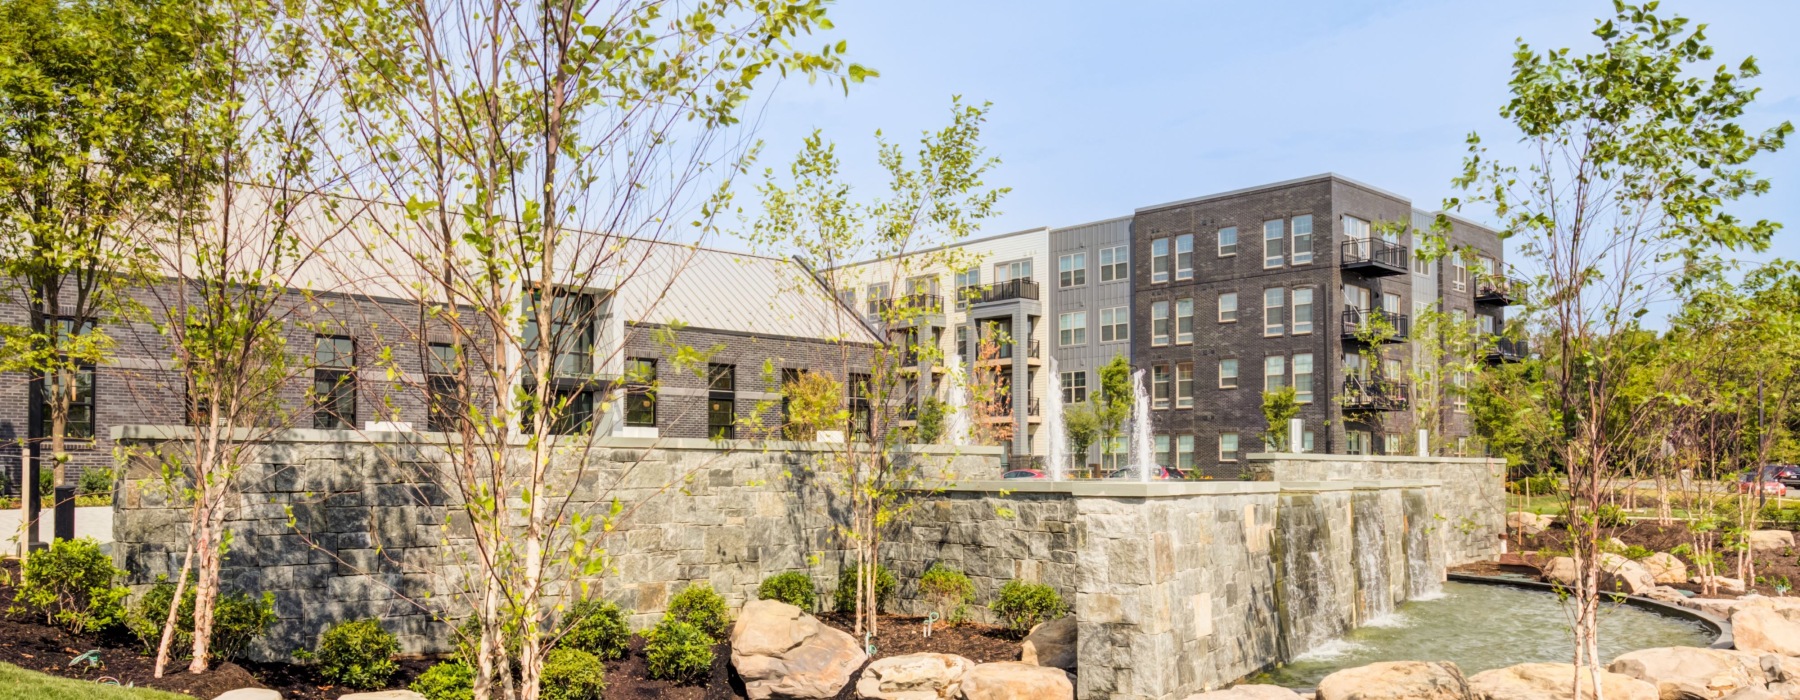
(1482, 627)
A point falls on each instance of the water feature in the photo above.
(1482, 627)
(1374, 593)
(956, 404)
(1311, 611)
(1143, 451)
(1424, 547)
(1058, 452)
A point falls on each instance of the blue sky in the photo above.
(1099, 108)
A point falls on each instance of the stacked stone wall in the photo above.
(1471, 508)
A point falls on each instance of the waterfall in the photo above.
(956, 403)
(1058, 452)
(1424, 558)
(1309, 606)
(1143, 452)
(1374, 593)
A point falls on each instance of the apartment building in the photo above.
(1090, 296)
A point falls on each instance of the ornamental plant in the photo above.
(71, 586)
(949, 592)
(792, 587)
(357, 654)
(679, 651)
(598, 627)
(701, 607)
(844, 598)
(1023, 605)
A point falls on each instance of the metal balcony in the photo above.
(1373, 257)
(1376, 325)
(1500, 292)
(1373, 394)
(919, 303)
(1021, 288)
(1507, 350)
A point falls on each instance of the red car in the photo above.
(1765, 480)
(1025, 474)
(1157, 473)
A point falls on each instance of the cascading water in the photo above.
(956, 404)
(1058, 452)
(1374, 593)
(1424, 556)
(1309, 606)
(1143, 452)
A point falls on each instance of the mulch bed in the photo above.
(1770, 564)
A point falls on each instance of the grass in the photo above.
(21, 684)
(82, 500)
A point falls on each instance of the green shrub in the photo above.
(96, 481)
(446, 680)
(1610, 515)
(1023, 605)
(573, 674)
(948, 590)
(71, 585)
(792, 587)
(699, 606)
(468, 637)
(1538, 485)
(357, 654)
(844, 598)
(238, 620)
(679, 651)
(1637, 552)
(597, 627)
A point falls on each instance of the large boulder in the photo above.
(1051, 644)
(1690, 673)
(914, 677)
(249, 694)
(1621, 575)
(1553, 682)
(1011, 680)
(1771, 539)
(1665, 568)
(1667, 594)
(1764, 629)
(384, 695)
(782, 652)
(1527, 523)
(1248, 692)
(1725, 583)
(1396, 680)
(1560, 570)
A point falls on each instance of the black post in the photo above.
(65, 512)
(32, 466)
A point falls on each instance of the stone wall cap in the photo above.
(1371, 459)
(163, 433)
(1119, 488)
(1314, 486)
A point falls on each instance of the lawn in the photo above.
(20, 684)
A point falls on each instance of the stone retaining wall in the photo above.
(1473, 503)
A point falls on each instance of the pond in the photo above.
(1482, 627)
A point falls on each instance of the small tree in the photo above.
(1116, 397)
(1081, 423)
(1278, 408)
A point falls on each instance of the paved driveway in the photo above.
(95, 522)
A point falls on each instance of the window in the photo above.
(1228, 307)
(1357, 232)
(789, 377)
(640, 392)
(1074, 387)
(1015, 270)
(1355, 365)
(968, 283)
(1115, 324)
(721, 402)
(334, 382)
(1303, 377)
(443, 387)
(1159, 260)
(1228, 447)
(878, 293)
(1390, 444)
(1184, 453)
(1184, 257)
(962, 342)
(1159, 387)
(922, 284)
(1391, 368)
(79, 423)
(1303, 239)
(1421, 266)
(1159, 324)
(1184, 385)
(861, 417)
(1484, 323)
(1274, 303)
(1356, 442)
(1071, 328)
(1274, 244)
(572, 322)
(1162, 451)
(1228, 373)
(847, 297)
(1115, 264)
(1306, 441)
(1114, 454)
(1184, 321)
(1071, 270)
(1459, 394)
(1274, 372)
(1228, 241)
(1303, 310)
(1459, 273)
(576, 412)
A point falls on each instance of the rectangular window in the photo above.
(1014, 270)
(1071, 329)
(1356, 442)
(1071, 270)
(1274, 244)
(1228, 373)
(1303, 239)
(1159, 324)
(79, 423)
(1115, 324)
(1421, 266)
(1184, 257)
(967, 285)
(1184, 321)
(640, 392)
(444, 387)
(1074, 387)
(1484, 323)
(1355, 366)
(1356, 231)
(1115, 264)
(862, 419)
(1274, 372)
(1303, 377)
(1228, 241)
(1228, 447)
(1228, 307)
(1459, 274)
(573, 319)
(878, 293)
(1390, 444)
(962, 342)
(1184, 385)
(1184, 453)
(1303, 310)
(1459, 391)
(1274, 306)
(1159, 260)
(1114, 454)
(1306, 441)
(847, 297)
(721, 402)
(1162, 451)
(334, 382)
(1159, 391)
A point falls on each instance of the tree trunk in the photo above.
(168, 631)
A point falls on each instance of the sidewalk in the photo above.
(95, 522)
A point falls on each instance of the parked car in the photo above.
(1156, 473)
(1787, 474)
(1025, 474)
(1762, 480)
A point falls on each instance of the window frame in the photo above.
(1231, 362)
(1274, 312)
(1161, 387)
(1185, 459)
(443, 386)
(1184, 384)
(1184, 320)
(1229, 437)
(1277, 379)
(1294, 322)
(1120, 327)
(1184, 259)
(1160, 262)
(1302, 396)
(1227, 250)
(1074, 391)
(1071, 270)
(328, 407)
(640, 392)
(1159, 323)
(1119, 268)
(1279, 239)
(1071, 329)
(1233, 318)
(715, 394)
(1296, 256)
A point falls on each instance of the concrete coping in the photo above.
(1371, 459)
(162, 433)
(1113, 488)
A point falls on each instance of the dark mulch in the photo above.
(298, 682)
(1770, 565)
(902, 635)
(630, 678)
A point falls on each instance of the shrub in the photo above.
(844, 599)
(679, 651)
(573, 674)
(948, 590)
(597, 627)
(446, 680)
(96, 481)
(468, 635)
(1609, 515)
(1637, 552)
(71, 585)
(1538, 485)
(1023, 605)
(792, 587)
(238, 619)
(699, 606)
(357, 654)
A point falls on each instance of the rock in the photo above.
(1248, 692)
(1726, 607)
(914, 677)
(1527, 523)
(1771, 539)
(384, 695)
(1725, 583)
(1560, 570)
(1688, 672)
(780, 651)
(1553, 682)
(1396, 680)
(1621, 575)
(1051, 644)
(1667, 594)
(1764, 629)
(1753, 694)
(1784, 691)
(1665, 568)
(1011, 680)
(249, 694)
(1615, 544)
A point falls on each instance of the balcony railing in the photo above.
(1035, 350)
(1376, 325)
(1373, 394)
(1507, 350)
(921, 302)
(1021, 288)
(1373, 257)
(1500, 291)
(1034, 408)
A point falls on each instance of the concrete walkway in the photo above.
(95, 522)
